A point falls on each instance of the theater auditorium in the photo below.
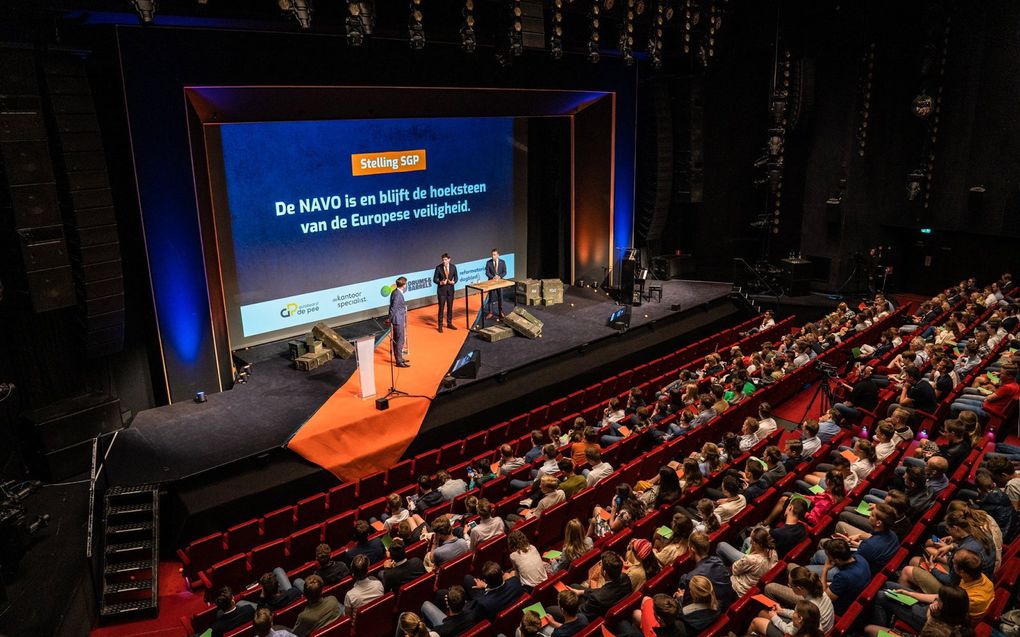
(443, 318)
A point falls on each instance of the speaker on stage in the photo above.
(467, 365)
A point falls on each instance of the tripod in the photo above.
(823, 391)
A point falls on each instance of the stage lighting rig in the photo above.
(556, 31)
(300, 9)
(914, 180)
(627, 35)
(593, 39)
(146, 10)
(415, 26)
(655, 37)
(516, 34)
(468, 41)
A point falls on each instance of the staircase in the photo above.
(744, 300)
(130, 584)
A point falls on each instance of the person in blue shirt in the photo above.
(828, 427)
(876, 548)
(852, 578)
(709, 566)
(363, 545)
(573, 621)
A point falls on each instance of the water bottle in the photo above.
(864, 432)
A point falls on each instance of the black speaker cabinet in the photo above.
(467, 366)
(72, 421)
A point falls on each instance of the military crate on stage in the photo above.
(529, 292)
(297, 348)
(552, 291)
(309, 361)
(495, 333)
(522, 325)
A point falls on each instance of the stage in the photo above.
(236, 437)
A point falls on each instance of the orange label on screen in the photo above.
(388, 161)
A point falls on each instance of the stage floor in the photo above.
(177, 441)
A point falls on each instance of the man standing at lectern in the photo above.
(445, 277)
(398, 322)
(495, 268)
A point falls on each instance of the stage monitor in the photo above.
(315, 220)
(467, 366)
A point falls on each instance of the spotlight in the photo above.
(923, 105)
(556, 32)
(468, 42)
(300, 9)
(593, 41)
(627, 35)
(516, 34)
(914, 180)
(415, 28)
(355, 24)
(146, 10)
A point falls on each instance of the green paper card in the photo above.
(552, 555)
(864, 508)
(992, 377)
(537, 607)
(816, 489)
(728, 396)
(748, 388)
(906, 600)
(665, 532)
(886, 633)
(797, 496)
(386, 541)
(207, 633)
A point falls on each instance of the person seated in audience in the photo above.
(658, 616)
(530, 626)
(397, 513)
(818, 504)
(411, 625)
(625, 509)
(993, 501)
(708, 520)
(851, 574)
(805, 586)
(486, 527)
(596, 602)
(575, 544)
(479, 472)
(766, 423)
(961, 604)
(639, 562)
(793, 455)
(863, 395)
(450, 487)
(230, 615)
(556, 436)
(706, 413)
(598, 469)
(399, 569)
(853, 471)
(277, 590)
(551, 496)
(730, 447)
(444, 545)
(365, 588)
(491, 593)
(944, 378)
(263, 625)
(527, 561)
(809, 440)
(570, 482)
(828, 426)
(732, 502)
(613, 413)
(851, 522)
(537, 442)
(428, 496)
(709, 459)
(580, 448)
(994, 404)
(719, 404)
(668, 549)
(455, 619)
(331, 571)
(365, 544)
(319, 611)
(702, 604)
(747, 568)
(708, 566)
(572, 622)
(508, 462)
(664, 488)
(549, 466)
(876, 547)
(748, 434)
(965, 532)
(774, 467)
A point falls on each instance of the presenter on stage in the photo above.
(495, 268)
(445, 277)
(398, 322)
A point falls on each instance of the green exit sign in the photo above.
(925, 230)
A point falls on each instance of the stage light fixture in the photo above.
(516, 34)
(355, 25)
(923, 105)
(556, 31)
(146, 10)
(914, 179)
(655, 35)
(300, 9)
(593, 39)
(415, 26)
(626, 43)
(468, 41)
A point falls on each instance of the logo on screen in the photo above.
(387, 290)
(289, 310)
(293, 309)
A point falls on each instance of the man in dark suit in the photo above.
(400, 569)
(398, 322)
(457, 621)
(495, 268)
(445, 277)
(364, 544)
(492, 593)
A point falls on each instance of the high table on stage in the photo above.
(483, 287)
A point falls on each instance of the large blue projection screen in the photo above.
(316, 219)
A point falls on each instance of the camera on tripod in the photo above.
(827, 369)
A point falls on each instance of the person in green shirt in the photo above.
(572, 482)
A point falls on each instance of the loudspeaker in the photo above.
(43, 248)
(628, 269)
(340, 346)
(21, 126)
(35, 205)
(51, 289)
(26, 162)
(532, 25)
(620, 319)
(73, 420)
(467, 366)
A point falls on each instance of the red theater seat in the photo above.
(311, 510)
(242, 537)
(378, 617)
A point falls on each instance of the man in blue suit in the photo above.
(398, 321)
(445, 277)
(495, 268)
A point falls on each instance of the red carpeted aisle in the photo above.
(349, 436)
(793, 409)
